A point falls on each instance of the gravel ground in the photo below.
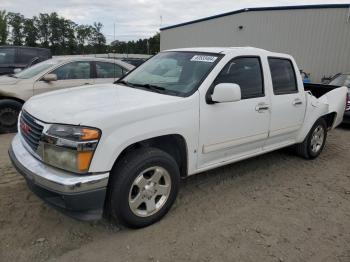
(276, 207)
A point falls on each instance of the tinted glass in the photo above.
(74, 70)
(7, 55)
(108, 70)
(177, 73)
(283, 76)
(341, 80)
(247, 73)
(26, 55)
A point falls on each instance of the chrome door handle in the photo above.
(87, 84)
(297, 102)
(262, 107)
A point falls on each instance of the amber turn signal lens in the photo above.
(89, 134)
(84, 159)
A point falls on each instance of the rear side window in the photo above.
(247, 73)
(108, 70)
(283, 76)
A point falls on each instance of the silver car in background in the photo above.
(54, 74)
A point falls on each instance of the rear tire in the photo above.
(143, 187)
(315, 141)
(9, 111)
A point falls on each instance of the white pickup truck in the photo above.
(121, 149)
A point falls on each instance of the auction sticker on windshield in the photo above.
(204, 58)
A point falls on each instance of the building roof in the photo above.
(275, 8)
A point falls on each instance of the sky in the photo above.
(134, 19)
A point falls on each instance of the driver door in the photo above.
(233, 130)
(68, 75)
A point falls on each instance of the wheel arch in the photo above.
(3, 97)
(330, 119)
(173, 144)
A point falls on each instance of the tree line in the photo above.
(65, 37)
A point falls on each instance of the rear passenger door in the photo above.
(288, 102)
(68, 75)
(107, 72)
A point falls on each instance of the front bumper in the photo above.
(79, 196)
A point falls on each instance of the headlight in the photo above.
(70, 147)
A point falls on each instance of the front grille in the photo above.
(30, 130)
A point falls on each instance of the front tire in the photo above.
(315, 141)
(9, 111)
(143, 187)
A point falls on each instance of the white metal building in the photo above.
(318, 36)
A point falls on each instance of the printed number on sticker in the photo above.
(204, 58)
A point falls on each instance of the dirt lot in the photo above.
(275, 207)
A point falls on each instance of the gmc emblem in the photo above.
(25, 128)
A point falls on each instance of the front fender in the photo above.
(113, 142)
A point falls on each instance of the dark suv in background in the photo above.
(20, 57)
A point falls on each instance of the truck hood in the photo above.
(6, 80)
(97, 105)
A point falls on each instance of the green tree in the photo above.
(97, 39)
(141, 46)
(55, 31)
(68, 42)
(3, 27)
(63, 36)
(83, 33)
(30, 31)
(43, 29)
(15, 20)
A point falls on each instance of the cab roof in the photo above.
(219, 50)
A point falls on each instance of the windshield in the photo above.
(341, 80)
(175, 73)
(36, 69)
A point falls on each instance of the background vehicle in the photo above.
(125, 147)
(343, 79)
(134, 61)
(50, 75)
(20, 57)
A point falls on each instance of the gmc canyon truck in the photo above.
(121, 149)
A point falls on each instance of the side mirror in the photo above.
(226, 92)
(17, 70)
(50, 77)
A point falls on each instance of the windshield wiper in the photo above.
(123, 82)
(12, 75)
(150, 87)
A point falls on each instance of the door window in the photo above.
(26, 55)
(7, 55)
(108, 70)
(247, 73)
(74, 70)
(283, 76)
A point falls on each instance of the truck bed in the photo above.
(318, 90)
